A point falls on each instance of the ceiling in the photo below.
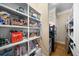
(60, 6)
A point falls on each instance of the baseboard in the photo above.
(60, 42)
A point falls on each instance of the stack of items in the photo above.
(7, 52)
(33, 24)
(32, 34)
(34, 14)
(16, 36)
(4, 18)
(21, 49)
(25, 35)
(21, 9)
(19, 22)
(33, 44)
(3, 40)
(13, 37)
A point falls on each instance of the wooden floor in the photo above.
(60, 50)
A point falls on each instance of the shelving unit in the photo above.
(70, 34)
(69, 27)
(9, 8)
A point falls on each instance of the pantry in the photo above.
(20, 27)
(39, 29)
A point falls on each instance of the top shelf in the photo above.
(12, 10)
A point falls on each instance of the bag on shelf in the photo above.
(16, 37)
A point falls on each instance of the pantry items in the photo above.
(25, 34)
(34, 23)
(1, 21)
(19, 22)
(21, 9)
(4, 18)
(16, 37)
(34, 14)
(33, 45)
(20, 50)
(32, 34)
(15, 29)
(3, 41)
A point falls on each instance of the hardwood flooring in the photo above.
(60, 50)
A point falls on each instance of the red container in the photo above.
(16, 36)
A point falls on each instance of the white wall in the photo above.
(52, 17)
(76, 28)
(61, 21)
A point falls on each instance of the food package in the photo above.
(16, 36)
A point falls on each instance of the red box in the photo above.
(16, 36)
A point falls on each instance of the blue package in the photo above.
(34, 17)
(1, 21)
